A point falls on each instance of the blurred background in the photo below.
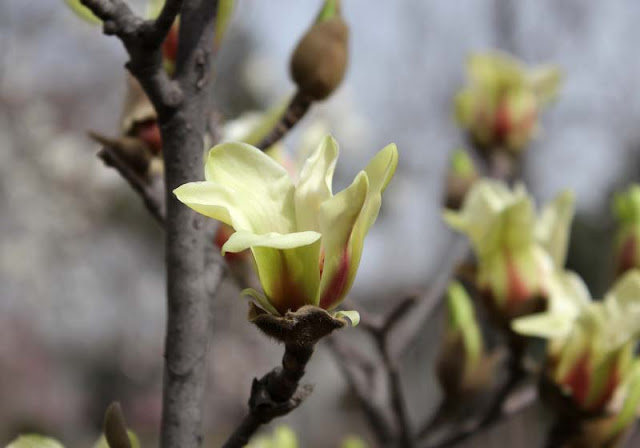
(82, 308)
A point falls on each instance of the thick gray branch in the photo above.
(143, 41)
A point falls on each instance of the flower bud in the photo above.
(462, 174)
(501, 105)
(319, 62)
(462, 365)
(626, 207)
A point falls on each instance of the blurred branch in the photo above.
(275, 394)
(507, 402)
(296, 110)
(358, 372)
(455, 252)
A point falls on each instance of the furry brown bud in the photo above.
(319, 62)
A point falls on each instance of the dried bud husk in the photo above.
(115, 429)
(304, 327)
(137, 107)
(319, 62)
(132, 150)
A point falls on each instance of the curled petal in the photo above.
(379, 171)
(338, 218)
(554, 226)
(353, 317)
(244, 188)
(243, 240)
(314, 186)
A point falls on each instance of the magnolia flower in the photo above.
(501, 104)
(306, 242)
(251, 127)
(516, 252)
(626, 207)
(591, 343)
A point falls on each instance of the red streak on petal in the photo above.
(517, 290)
(321, 261)
(337, 284)
(578, 379)
(502, 122)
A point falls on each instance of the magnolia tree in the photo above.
(232, 202)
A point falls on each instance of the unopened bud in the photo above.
(319, 61)
(626, 207)
(462, 174)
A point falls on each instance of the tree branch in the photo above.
(143, 41)
(151, 190)
(275, 394)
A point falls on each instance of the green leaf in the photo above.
(83, 12)
(352, 316)
(631, 403)
(133, 439)
(223, 16)
(34, 441)
(353, 441)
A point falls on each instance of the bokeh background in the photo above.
(82, 307)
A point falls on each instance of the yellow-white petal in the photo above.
(314, 186)
(554, 226)
(338, 217)
(244, 188)
(379, 172)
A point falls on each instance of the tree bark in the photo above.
(188, 313)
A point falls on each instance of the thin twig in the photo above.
(357, 372)
(143, 41)
(275, 394)
(296, 110)
(496, 410)
(151, 190)
(403, 337)
(398, 400)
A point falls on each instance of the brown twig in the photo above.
(403, 337)
(358, 372)
(495, 411)
(275, 394)
(151, 190)
(296, 110)
(458, 433)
